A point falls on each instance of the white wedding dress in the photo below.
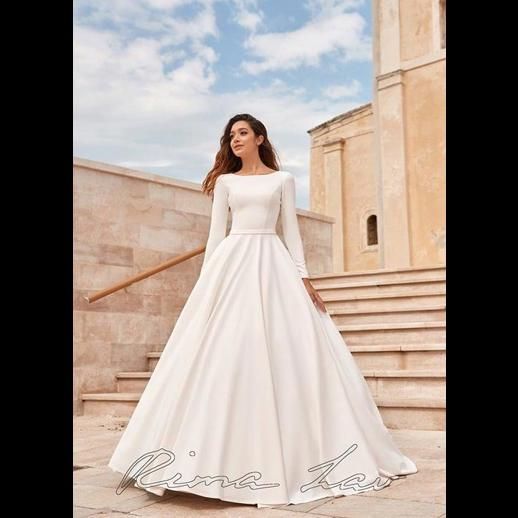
(256, 398)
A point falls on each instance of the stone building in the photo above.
(379, 169)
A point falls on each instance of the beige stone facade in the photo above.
(126, 221)
(381, 167)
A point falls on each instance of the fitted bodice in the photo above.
(256, 202)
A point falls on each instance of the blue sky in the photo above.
(155, 81)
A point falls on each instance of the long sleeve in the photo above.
(218, 220)
(290, 225)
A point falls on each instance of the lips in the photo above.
(238, 147)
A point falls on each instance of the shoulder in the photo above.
(220, 187)
(221, 180)
(287, 177)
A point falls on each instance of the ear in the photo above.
(260, 140)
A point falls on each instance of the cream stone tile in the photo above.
(83, 512)
(361, 507)
(194, 506)
(95, 497)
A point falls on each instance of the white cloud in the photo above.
(165, 4)
(247, 14)
(340, 91)
(152, 16)
(150, 164)
(142, 102)
(129, 112)
(333, 30)
(203, 24)
(326, 8)
(172, 56)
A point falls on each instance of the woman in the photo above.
(256, 398)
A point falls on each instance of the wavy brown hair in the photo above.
(226, 162)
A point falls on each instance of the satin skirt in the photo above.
(256, 398)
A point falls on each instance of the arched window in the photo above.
(372, 230)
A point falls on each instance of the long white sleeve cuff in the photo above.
(218, 220)
(290, 226)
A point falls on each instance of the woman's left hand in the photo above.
(315, 296)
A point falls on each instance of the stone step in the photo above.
(429, 313)
(340, 290)
(408, 383)
(392, 301)
(132, 381)
(406, 356)
(110, 403)
(380, 356)
(379, 275)
(413, 414)
(382, 382)
(394, 332)
(152, 359)
(397, 413)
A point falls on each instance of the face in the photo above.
(243, 140)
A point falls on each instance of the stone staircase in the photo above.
(394, 324)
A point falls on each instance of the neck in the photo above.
(252, 165)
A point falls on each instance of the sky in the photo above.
(155, 81)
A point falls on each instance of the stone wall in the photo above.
(388, 158)
(343, 185)
(126, 221)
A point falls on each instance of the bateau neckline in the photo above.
(262, 174)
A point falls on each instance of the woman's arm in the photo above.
(218, 220)
(290, 226)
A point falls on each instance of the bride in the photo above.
(256, 398)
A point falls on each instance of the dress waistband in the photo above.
(253, 231)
